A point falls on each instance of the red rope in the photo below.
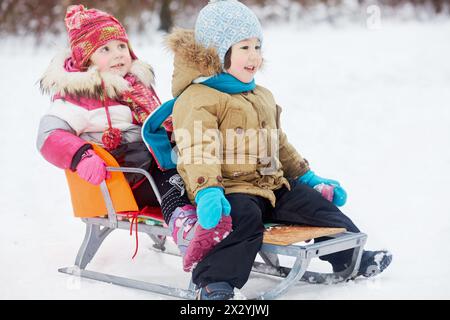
(134, 216)
(134, 220)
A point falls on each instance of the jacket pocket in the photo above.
(234, 119)
(241, 172)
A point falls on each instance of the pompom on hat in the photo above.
(222, 23)
(88, 30)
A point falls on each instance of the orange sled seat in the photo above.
(88, 200)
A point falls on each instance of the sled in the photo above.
(101, 208)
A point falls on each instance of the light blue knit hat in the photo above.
(222, 23)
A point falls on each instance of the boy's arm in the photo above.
(59, 144)
(198, 142)
(293, 163)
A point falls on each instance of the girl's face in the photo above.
(245, 59)
(113, 57)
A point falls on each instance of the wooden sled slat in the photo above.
(287, 235)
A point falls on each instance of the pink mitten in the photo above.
(92, 168)
(326, 190)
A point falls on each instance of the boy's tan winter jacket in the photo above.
(238, 166)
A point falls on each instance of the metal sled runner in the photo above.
(99, 208)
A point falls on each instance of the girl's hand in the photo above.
(92, 168)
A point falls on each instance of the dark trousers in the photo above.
(171, 188)
(169, 183)
(232, 259)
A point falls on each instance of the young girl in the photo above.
(101, 93)
(218, 103)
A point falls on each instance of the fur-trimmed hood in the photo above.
(191, 60)
(58, 81)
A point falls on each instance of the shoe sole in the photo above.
(384, 260)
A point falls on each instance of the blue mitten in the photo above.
(211, 203)
(312, 180)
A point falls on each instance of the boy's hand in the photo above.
(312, 180)
(211, 203)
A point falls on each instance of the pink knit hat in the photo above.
(88, 30)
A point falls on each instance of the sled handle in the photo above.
(141, 171)
(112, 216)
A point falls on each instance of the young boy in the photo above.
(218, 103)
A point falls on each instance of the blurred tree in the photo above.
(165, 16)
(38, 17)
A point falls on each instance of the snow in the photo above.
(370, 108)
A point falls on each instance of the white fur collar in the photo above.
(56, 80)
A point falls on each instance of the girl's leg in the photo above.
(144, 195)
(136, 155)
(173, 194)
(180, 215)
(232, 259)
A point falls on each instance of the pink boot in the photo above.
(204, 241)
(181, 226)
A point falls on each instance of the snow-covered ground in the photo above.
(370, 108)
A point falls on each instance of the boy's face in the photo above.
(245, 59)
(113, 57)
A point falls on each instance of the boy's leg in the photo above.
(304, 205)
(232, 259)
